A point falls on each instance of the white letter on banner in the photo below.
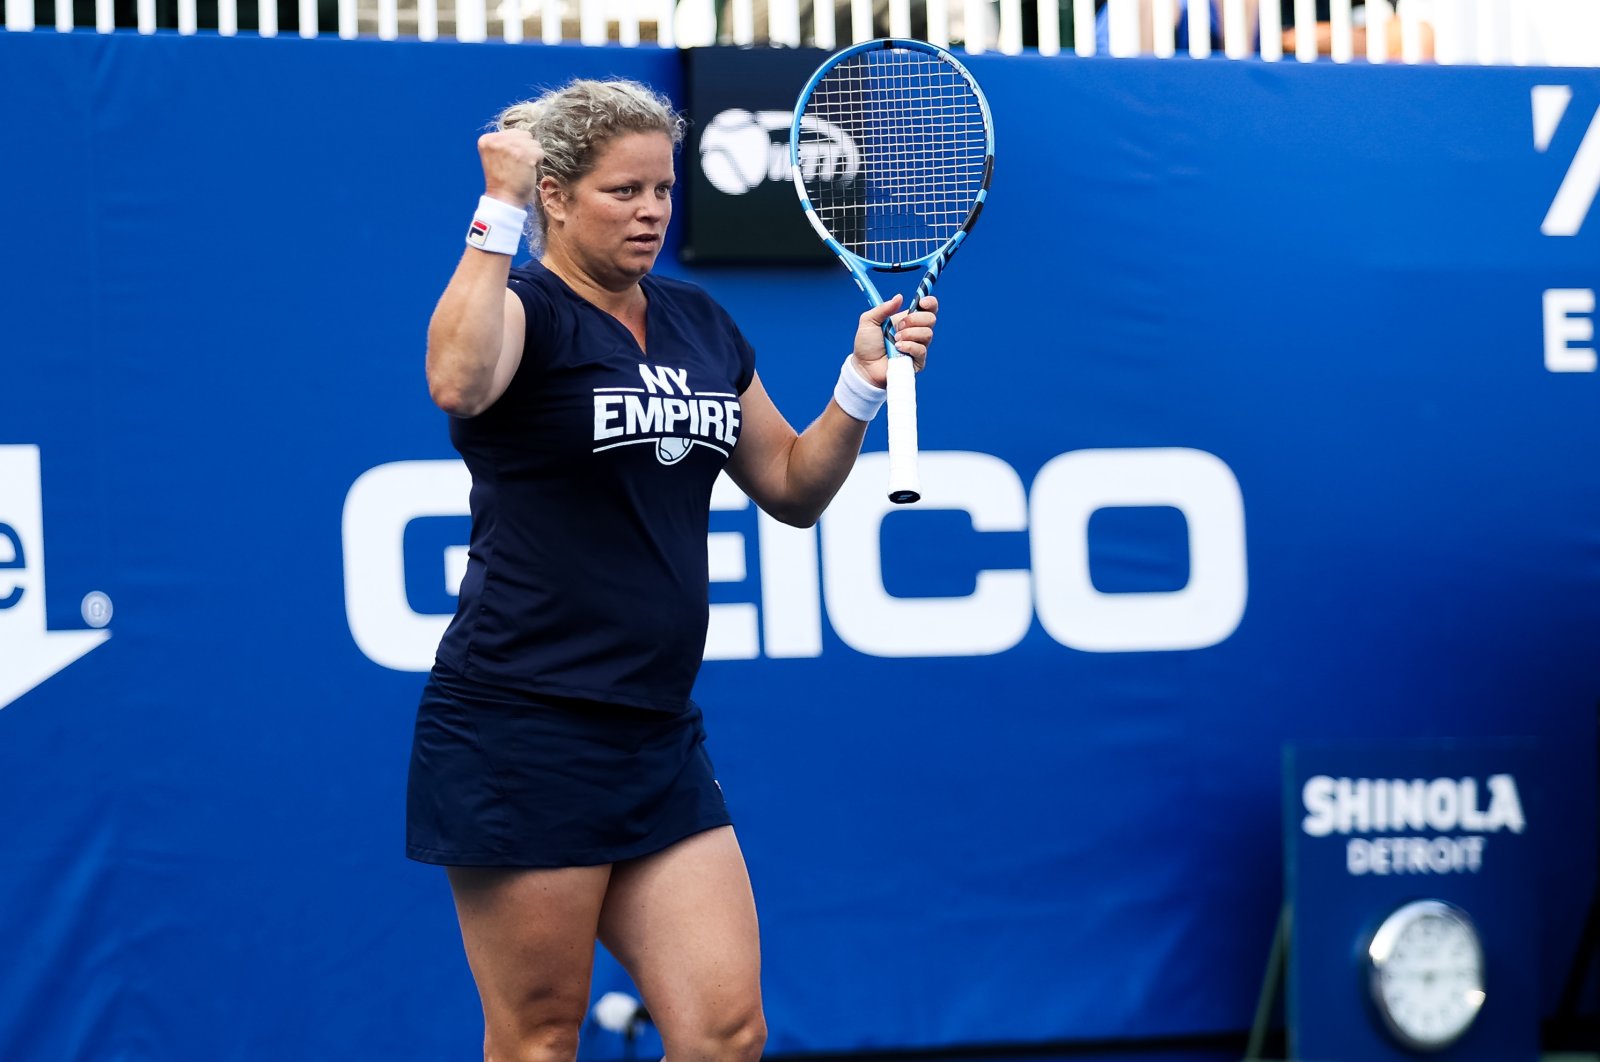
(376, 511)
(1072, 487)
(1576, 194)
(791, 589)
(1353, 805)
(1472, 817)
(992, 619)
(731, 634)
(791, 599)
(1505, 804)
(1317, 797)
(1444, 804)
(1567, 320)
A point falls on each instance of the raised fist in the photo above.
(510, 165)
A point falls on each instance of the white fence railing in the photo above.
(1516, 32)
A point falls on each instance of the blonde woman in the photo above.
(559, 768)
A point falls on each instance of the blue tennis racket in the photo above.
(891, 151)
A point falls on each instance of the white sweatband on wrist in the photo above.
(855, 395)
(496, 227)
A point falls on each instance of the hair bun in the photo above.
(523, 115)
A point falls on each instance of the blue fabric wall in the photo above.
(1050, 811)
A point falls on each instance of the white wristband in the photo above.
(496, 227)
(855, 395)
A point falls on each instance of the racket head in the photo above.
(891, 150)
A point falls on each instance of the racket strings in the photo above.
(892, 152)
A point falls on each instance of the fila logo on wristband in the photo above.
(496, 226)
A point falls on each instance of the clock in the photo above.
(1424, 970)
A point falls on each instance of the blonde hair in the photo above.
(574, 123)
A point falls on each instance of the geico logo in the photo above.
(804, 574)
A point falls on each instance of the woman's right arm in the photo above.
(476, 335)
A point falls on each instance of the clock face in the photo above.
(1426, 967)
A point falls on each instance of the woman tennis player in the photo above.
(559, 768)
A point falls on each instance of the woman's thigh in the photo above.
(529, 937)
(683, 923)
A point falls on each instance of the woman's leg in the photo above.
(529, 936)
(683, 923)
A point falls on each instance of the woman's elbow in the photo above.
(455, 399)
(794, 514)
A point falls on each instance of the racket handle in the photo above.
(904, 487)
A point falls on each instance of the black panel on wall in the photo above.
(740, 204)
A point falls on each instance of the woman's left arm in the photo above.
(793, 476)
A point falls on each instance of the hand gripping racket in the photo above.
(891, 151)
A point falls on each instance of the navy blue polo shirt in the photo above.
(591, 490)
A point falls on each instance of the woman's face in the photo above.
(611, 222)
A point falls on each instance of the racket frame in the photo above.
(904, 485)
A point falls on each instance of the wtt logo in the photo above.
(1576, 194)
(741, 149)
(29, 653)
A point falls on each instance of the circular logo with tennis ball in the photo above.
(736, 150)
(670, 451)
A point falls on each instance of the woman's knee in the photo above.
(748, 1040)
(531, 1041)
(736, 1037)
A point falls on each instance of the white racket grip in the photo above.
(904, 487)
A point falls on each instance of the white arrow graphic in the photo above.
(29, 654)
(1582, 181)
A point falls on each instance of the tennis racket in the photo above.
(891, 151)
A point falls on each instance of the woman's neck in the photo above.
(623, 303)
(626, 305)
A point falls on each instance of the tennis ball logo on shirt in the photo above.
(671, 450)
(740, 149)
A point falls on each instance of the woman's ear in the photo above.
(553, 198)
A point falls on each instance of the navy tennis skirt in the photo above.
(501, 779)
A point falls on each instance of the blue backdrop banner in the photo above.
(1262, 413)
